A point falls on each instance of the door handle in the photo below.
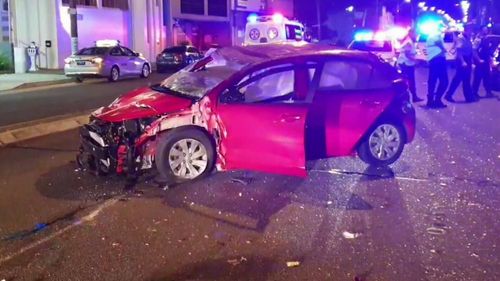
(289, 118)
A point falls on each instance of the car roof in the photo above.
(256, 54)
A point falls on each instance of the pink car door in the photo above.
(348, 103)
(262, 122)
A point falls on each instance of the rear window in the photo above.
(345, 75)
(293, 32)
(175, 50)
(355, 75)
(372, 46)
(93, 51)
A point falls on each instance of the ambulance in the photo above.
(272, 29)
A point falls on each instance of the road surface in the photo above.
(436, 218)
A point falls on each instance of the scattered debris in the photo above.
(248, 242)
(329, 203)
(475, 255)
(436, 230)
(240, 194)
(206, 236)
(293, 263)
(242, 181)
(115, 244)
(235, 262)
(350, 235)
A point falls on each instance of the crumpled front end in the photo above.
(108, 147)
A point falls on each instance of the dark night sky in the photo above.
(306, 9)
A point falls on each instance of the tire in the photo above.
(367, 149)
(173, 161)
(114, 74)
(78, 79)
(146, 70)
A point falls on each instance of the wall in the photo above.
(284, 7)
(35, 21)
(175, 9)
(93, 24)
(148, 35)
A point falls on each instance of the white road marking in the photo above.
(58, 233)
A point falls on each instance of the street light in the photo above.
(350, 9)
(407, 1)
(421, 4)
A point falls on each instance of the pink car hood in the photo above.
(141, 103)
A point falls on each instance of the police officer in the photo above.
(436, 56)
(463, 44)
(407, 61)
(484, 51)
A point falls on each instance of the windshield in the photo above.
(175, 50)
(197, 79)
(372, 46)
(93, 51)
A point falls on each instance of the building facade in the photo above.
(146, 26)
(138, 24)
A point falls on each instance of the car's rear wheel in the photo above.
(78, 79)
(185, 154)
(383, 145)
(114, 75)
(145, 71)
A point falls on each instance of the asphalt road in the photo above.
(435, 219)
(32, 104)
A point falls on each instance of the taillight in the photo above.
(68, 60)
(178, 58)
(97, 60)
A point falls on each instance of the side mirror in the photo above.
(137, 54)
(232, 95)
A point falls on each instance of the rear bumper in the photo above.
(91, 71)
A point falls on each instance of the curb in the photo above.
(29, 87)
(43, 83)
(17, 133)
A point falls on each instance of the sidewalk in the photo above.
(41, 78)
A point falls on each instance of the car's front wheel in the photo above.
(185, 154)
(114, 75)
(383, 145)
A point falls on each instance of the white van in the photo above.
(272, 29)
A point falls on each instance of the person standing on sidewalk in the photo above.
(484, 52)
(436, 56)
(463, 45)
(407, 61)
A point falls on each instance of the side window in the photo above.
(116, 51)
(274, 84)
(127, 52)
(270, 85)
(192, 50)
(345, 75)
(382, 77)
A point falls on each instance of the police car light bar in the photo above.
(107, 43)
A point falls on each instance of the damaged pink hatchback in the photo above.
(266, 108)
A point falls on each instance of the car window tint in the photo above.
(127, 52)
(116, 51)
(382, 77)
(345, 75)
(268, 87)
